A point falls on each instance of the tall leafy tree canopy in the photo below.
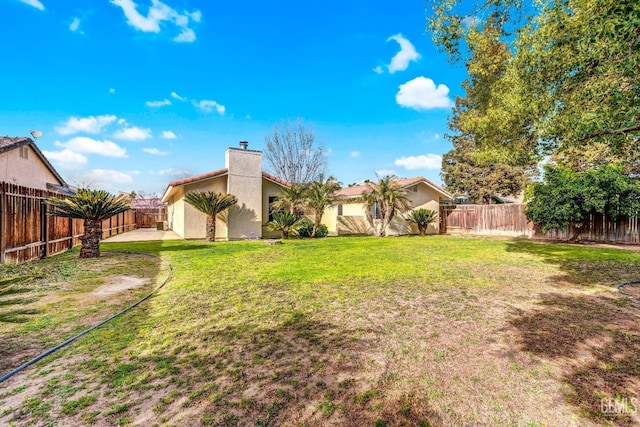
(571, 84)
(478, 167)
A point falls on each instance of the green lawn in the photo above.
(436, 330)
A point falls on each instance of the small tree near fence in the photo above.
(93, 206)
(567, 197)
(423, 218)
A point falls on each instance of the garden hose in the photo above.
(621, 285)
(86, 331)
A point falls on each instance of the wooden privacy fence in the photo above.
(509, 220)
(27, 231)
(148, 217)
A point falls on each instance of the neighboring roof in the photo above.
(214, 174)
(357, 190)
(67, 191)
(147, 203)
(8, 143)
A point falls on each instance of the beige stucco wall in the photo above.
(187, 221)
(269, 189)
(245, 182)
(330, 219)
(29, 172)
(353, 219)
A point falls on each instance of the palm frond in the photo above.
(210, 202)
(95, 205)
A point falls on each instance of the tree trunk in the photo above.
(90, 240)
(422, 228)
(316, 224)
(285, 234)
(211, 229)
(577, 231)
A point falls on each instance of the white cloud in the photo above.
(156, 104)
(167, 134)
(186, 36)
(105, 178)
(421, 93)
(471, 21)
(155, 151)
(401, 60)
(89, 124)
(208, 106)
(178, 97)
(385, 172)
(83, 144)
(75, 24)
(133, 134)
(66, 159)
(378, 70)
(428, 161)
(112, 90)
(159, 12)
(174, 172)
(34, 3)
(355, 154)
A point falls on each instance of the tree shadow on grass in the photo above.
(302, 370)
(583, 264)
(595, 340)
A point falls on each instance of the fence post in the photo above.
(3, 221)
(70, 233)
(44, 232)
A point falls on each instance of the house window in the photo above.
(339, 209)
(375, 211)
(272, 200)
(414, 188)
(24, 152)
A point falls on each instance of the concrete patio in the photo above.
(143, 235)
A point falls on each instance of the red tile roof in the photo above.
(357, 190)
(275, 179)
(200, 177)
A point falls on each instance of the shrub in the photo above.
(306, 229)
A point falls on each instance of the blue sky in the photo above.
(130, 94)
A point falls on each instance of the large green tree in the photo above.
(93, 206)
(478, 167)
(212, 204)
(571, 83)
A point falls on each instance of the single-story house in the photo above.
(349, 215)
(22, 163)
(243, 177)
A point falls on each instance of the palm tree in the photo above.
(93, 206)
(212, 204)
(422, 218)
(383, 200)
(285, 222)
(320, 195)
(292, 200)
